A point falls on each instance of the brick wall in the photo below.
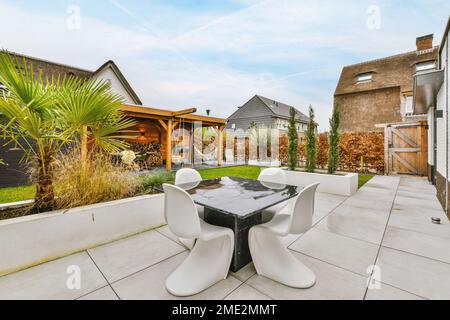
(360, 112)
(363, 105)
(440, 187)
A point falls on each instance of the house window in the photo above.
(233, 126)
(425, 66)
(409, 105)
(365, 77)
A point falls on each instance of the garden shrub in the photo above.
(151, 181)
(96, 180)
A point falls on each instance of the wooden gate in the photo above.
(406, 148)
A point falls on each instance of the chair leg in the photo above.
(208, 263)
(274, 261)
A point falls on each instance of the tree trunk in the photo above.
(84, 145)
(44, 200)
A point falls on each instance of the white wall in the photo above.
(31, 240)
(108, 74)
(441, 134)
(441, 123)
(430, 117)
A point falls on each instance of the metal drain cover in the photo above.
(436, 220)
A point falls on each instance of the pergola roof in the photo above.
(162, 114)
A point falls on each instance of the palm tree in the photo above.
(41, 116)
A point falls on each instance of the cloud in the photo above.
(292, 51)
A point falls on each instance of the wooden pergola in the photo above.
(169, 120)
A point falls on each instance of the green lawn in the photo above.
(248, 172)
(15, 194)
(8, 195)
(363, 179)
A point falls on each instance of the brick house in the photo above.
(381, 91)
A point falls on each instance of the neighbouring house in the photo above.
(108, 71)
(378, 95)
(381, 91)
(173, 130)
(268, 113)
(431, 96)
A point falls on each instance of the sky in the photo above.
(216, 55)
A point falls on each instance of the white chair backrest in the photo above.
(181, 213)
(303, 210)
(274, 175)
(187, 175)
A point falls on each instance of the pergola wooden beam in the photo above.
(220, 146)
(163, 124)
(169, 146)
(183, 112)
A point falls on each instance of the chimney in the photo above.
(208, 112)
(425, 42)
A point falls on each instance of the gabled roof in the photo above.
(122, 79)
(282, 110)
(50, 68)
(389, 72)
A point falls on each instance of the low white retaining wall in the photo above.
(31, 240)
(274, 164)
(345, 185)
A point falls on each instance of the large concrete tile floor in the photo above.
(378, 244)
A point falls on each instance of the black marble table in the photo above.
(237, 204)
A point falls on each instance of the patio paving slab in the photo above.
(149, 284)
(415, 202)
(119, 259)
(245, 292)
(245, 273)
(382, 203)
(387, 292)
(48, 281)
(165, 231)
(105, 293)
(319, 216)
(417, 184)
(420, 221)
(415, 193)
(384, 182)
(354, 222)
(326, 204)
(432, 247)
(333, 283)
(344, 252)
(418, 275)
(289, 239)
(376, 192)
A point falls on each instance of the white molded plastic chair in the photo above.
(209, 261)
(270, 257)
(185, 176)
(273, 175)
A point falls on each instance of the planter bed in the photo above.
(35, 239)
(345, 184)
